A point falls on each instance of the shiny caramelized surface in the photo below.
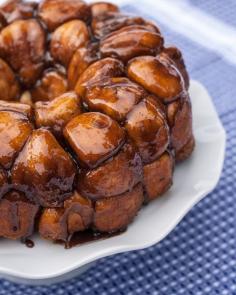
(51, 84)
(94, 113)
(22, 45)
(9, 86)
(108, 22)
(115, 97)
(118, 175)
(97, 72)
(66, 39)
(57, 113)
(129, 42)
(79, 62)
(14, 132)
(56, 12)
(12, 10)
(133, 41)
(99, 8)
(43, 169)
(17, 107)
(94, 137)
(147, 127)
(157, 75)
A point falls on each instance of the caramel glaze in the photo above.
(125, 44)
(56, 113)
(29, 243)
(147, 127)
(56, 12)
(108, 22)
(116, 176)
(66, 39)
(115, 97)
(88, 236)
(26, 40)
(157, 75)
(99, 70)
(17, 107)
(52, 83)
(44, 169)
(14, 132)
(105, 115)
(9, 86)
(94, 137)
(175, 54)
(13, 10)
(84, 56)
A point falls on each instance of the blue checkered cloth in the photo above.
(199, 256)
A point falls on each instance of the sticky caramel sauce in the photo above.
(88, 236)
(78, 238)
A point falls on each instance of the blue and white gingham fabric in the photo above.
(199, 256)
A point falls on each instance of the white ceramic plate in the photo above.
(193, 180)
